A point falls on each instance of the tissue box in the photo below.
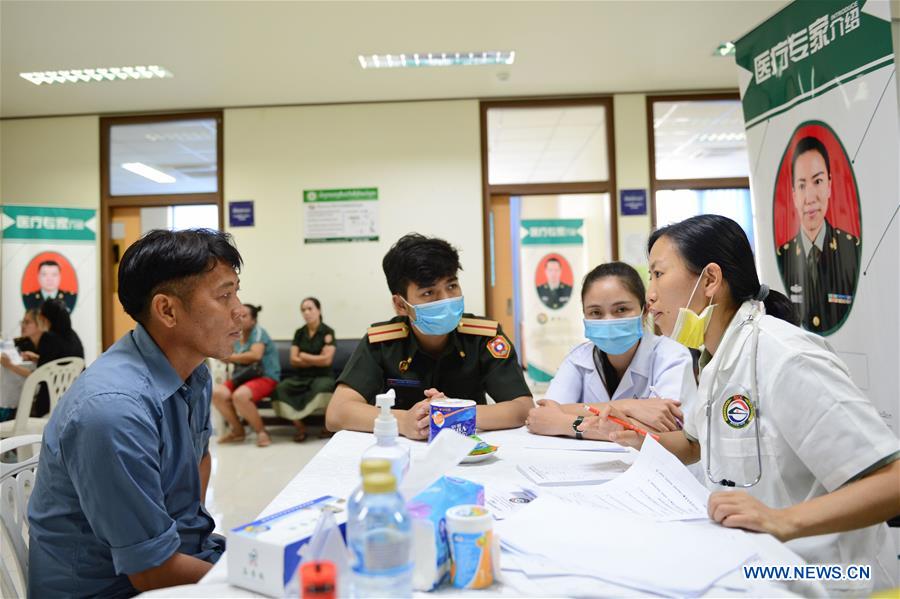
(428, 509)
(263, 555)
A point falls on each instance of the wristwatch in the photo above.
(578, 434)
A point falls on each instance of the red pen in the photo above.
(622, 423)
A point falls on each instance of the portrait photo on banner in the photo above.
(553, 281)
(817, 227)
(49, 275)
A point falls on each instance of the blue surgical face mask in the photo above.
(437, 318)
(614, 335)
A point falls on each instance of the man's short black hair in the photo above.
(48, 263)
(809, 144)
(553, 260)
(165, 261)
(420, 260)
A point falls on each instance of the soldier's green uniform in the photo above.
(821, 281)
(305, 383)
(478, 359)
(35, 299)
(554, 298)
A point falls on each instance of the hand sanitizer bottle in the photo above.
(386, 433)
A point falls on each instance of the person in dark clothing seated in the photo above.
(58, 341)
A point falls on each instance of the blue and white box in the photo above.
(264, 555)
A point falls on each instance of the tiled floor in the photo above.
(246, 478)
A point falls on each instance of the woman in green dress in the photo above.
(312, 353)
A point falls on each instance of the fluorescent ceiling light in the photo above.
(724, 49)
(148, 172)
(99, 74)
(436, 59)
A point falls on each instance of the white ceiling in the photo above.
(246, 53)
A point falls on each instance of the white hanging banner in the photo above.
(50, 252)
(819, 94)
(553, 261)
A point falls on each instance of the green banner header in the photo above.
(552, 232)
(805, 50)
(362, 194)
(54, 224)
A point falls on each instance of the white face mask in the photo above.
(690, 327)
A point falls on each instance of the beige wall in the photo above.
(632, 172)
(52, 161)
(423, 157)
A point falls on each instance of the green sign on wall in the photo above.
(42, 224)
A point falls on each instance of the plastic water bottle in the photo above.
(386, 432)
(366, 467)
(380, 539)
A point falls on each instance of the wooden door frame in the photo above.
(520, 189)
(108, 202)
(663, 184)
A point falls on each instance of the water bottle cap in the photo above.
(379, 482)
(374, 465)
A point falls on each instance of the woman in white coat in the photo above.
(622, 362)
(792, 447)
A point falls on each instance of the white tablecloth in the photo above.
(334, 471)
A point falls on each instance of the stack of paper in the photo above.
(632, 533)
(672, 558)
(657, 487)
(552, 474)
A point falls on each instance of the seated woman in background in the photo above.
(312, 353)
(59, 340)
(31, 332)
(255, 375)
(28, 342)
(623, 362)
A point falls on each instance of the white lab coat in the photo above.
(658, 361)
(817, 432)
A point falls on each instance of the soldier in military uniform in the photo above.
(554, 293)
(49, 277)
(819, 266)
(431, 349)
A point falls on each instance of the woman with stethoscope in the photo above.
(777, 415)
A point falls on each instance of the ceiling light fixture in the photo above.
(436, 59)
(148, 172)
(98, 74)
(724, 49)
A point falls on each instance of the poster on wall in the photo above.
(553, 263)
(50, 253)
(336, 215)
(819, 97)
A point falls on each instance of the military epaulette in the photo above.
(478, 326)
(387, 332)
(850, 237)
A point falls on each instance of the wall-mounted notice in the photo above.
(334, 215)
(240, 213)
(633, 202)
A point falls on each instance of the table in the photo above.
(334, 471)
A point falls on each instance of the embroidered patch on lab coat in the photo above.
(737, 411)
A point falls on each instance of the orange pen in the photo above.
(622, 423)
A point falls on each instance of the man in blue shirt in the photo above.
(117, 506)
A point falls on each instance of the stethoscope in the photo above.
(753, 320)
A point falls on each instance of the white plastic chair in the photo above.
(59, 376)
(16, 484)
